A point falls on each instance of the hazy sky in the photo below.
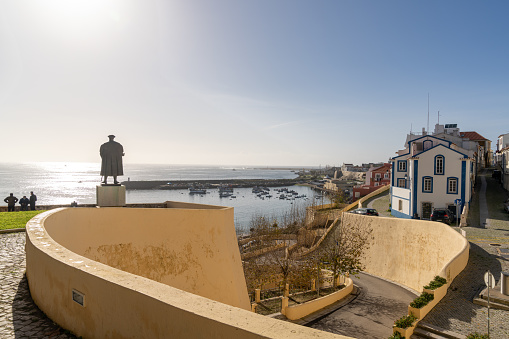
(260, 82)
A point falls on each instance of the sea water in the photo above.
(61, 183)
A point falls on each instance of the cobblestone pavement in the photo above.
(19, 316)
(457, 312)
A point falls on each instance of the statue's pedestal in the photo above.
(110, 195)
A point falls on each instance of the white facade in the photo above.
(502, 142)
(501, 153)
(430, 173)
(502, 158)
(478, 148)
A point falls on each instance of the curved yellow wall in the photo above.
(176, 272)
(412, 252)
(191, 249)
(301, 310)
(117, 259)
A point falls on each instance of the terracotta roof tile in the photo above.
(472, 136)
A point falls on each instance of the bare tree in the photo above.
(338, 198)
(279, 265)
(259, 272)
(345, 248)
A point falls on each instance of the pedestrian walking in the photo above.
(24, 203)
(11, 201)
(33, 199)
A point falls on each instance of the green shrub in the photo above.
(476, 335)
(422, 300)
(396, 335)
(436, 283)
(433, 285)
(441, 280)
(405, 321)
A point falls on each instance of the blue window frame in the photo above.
(401, 183)
(401, 165)
(452, 185)
(427, 184)
(439, 165)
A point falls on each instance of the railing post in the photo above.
(313, 285)
(257, 295)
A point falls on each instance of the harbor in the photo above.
(207, 184)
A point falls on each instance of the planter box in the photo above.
(419, 313)
(301, 310)
(438, 294)
(405, 332)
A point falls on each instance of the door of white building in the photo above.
(427, 208)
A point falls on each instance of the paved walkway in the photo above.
(457, 312)
(381, 204)
(372, 313)
(484, 214)
(19, 316)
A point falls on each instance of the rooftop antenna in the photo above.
(428, 114)
(439, 117)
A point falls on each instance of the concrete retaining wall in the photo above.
(191, 249)
(298, 311)
(176, 272)
(412, 252)
(96, 256)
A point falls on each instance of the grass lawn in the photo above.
(10, 220)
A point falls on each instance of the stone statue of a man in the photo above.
(111, 153)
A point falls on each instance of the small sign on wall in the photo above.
(78, 297)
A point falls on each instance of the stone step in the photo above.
(493, 304)
(496, 297)
(425, 330)
(416, 336)
(420, 333)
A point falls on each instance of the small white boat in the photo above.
(197, 191)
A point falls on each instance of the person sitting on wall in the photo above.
(24, 203)
(11, 201)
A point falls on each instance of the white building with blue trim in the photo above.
(431, 172)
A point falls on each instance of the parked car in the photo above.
(444, 215)
(365, 211)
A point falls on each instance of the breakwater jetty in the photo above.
(185, 184)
